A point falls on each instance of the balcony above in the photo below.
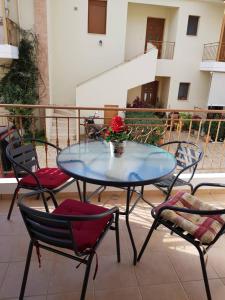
(213, 59)
(9, 39)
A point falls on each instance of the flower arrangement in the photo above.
(117, 132)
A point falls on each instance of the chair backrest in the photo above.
(23, 157)
(48, 228)
(187, 155)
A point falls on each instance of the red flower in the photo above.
(117, 124)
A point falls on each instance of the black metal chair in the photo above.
(188, 155)
(29, 175)
(73, 225)
(195, 221)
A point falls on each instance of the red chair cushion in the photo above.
(49, 178)
(85, 233)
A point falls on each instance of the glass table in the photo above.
(139, 165)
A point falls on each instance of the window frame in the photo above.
(188, 24)
(89, 30)
(188, 91)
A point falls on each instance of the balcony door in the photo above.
(154, 33)
(149, 93)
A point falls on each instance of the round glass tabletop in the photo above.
(140, 164)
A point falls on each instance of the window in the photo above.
(97, 11)
(192, 27)
(183, 91)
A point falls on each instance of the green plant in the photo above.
(186, 120)
(214, 127)
(20, 84)
(151, 131)
(196, 122)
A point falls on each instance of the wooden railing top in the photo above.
(97, 108)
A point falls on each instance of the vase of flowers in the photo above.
(116, 134)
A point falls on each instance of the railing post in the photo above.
(78, 129)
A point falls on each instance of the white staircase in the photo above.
(111, 86)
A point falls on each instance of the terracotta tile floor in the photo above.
(169, 269)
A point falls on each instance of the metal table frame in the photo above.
(128, 186)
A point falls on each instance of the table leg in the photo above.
(127, 212)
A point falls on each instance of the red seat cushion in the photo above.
(85, 233)
(49, 178)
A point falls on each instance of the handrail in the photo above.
(95, 108)
(214, 51)
(162, 124)
(165, 48)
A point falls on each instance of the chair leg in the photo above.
(78, 189)
(205, 277)
(45, 202)
(153, 227)
(12, 202)
(86, 276)
(192, 188)
(117, 237)
(26, 270)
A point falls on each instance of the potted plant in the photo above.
(116, 135)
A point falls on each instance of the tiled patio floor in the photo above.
(169, 270)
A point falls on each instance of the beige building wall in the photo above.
(76, 55)
(185, 66)
(26, 14)
(188, 52)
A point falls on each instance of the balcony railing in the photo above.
(67, 125)
(214, 52)
(165, 49)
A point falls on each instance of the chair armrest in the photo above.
(44, 142)
(172, 142)
(190, 211)
(37, 192)
(207, 184)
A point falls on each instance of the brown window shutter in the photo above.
(97, 12)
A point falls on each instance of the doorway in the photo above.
(154, 33)
(149, 93)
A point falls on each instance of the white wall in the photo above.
(75, 54)
(217, 90)
(189, 49)
(26, 14)
(136, 26)
(12, 10)
(111, 87)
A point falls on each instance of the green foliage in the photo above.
(186, 120)
(214, 128)
(20, 84)
(142, 118)
(196, 120)
(116, 136)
